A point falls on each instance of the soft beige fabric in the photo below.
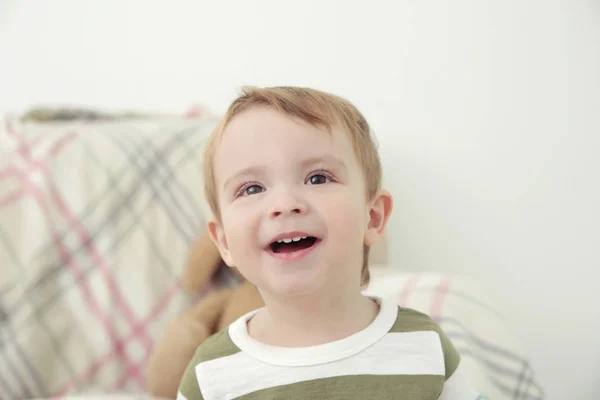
(96, 219)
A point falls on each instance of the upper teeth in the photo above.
(290, 240)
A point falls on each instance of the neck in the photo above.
(300, 321)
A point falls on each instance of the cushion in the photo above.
(497, 364)
(95, 223)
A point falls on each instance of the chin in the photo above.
(297, 286)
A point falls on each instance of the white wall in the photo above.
(488, 116)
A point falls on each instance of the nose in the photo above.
(287, 204)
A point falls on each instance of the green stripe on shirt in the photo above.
(410, 320)
(412, 360)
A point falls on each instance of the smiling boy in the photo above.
(293, 179)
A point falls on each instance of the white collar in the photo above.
(312, 355)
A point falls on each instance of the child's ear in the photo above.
(379, 212)
(217, 235)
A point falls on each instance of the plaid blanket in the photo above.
(95, 223)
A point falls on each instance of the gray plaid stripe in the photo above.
(502, 387)
(7, 243)
(142, 155)
(522, 365)
(525, 384)
(43, 326)
(490, 365)
(3, 315)
(484, 345)
(8, 333)
(4, 381)
(52, 271)
(522, 381)
(114, 214)
(189, 154)
(6, 388)
(176, 140)
(524, 377)
(138, 222)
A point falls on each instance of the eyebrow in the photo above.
(328, 160)
(325, 159)
(250, 171)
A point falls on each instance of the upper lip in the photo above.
(289, 235)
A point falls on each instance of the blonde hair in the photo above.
(317, 108)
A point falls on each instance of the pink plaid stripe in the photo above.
(96, 367)
(407, 289)
(7, 173)
(25, 150)
(82, 232)
(439, 296)
(156, 311)
(11, 198)
(10, 172)
(112, 286)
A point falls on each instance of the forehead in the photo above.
(264, 136)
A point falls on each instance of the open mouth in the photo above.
(293, 244)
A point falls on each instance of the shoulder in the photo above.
(410, 320)
(214, 347)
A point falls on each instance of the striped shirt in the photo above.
(402, 354)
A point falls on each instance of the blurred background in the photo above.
(487, 115)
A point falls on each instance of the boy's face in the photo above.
(279, 180)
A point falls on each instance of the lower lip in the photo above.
(294, 255)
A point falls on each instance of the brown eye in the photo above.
(318, 179)
(253, 189)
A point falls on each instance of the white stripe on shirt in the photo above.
(457, 387)
(180, 396)
(397, 353)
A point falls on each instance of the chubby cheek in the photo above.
(345, 221)
(240, 231)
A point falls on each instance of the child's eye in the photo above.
(318, 179)
(252, 189)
